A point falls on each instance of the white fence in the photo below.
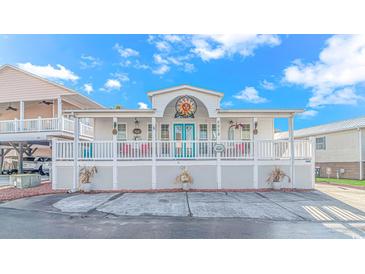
(43, 124)
(171, 150)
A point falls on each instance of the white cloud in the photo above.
(139, 65)
(142, 105)
(189, 67)
(159, 60)
(163, 46)
(125, 52)
(344, 96)
(267, 85)
(88, 61)
(161, 70)
(112, 84)
(179, 50)
(121, 76)
(172, 38)
(209, 47)
(332, 78)
(55, 73)
(308, 114)
(227, 104)
(205, 50)
(88, 88)
(251, 95)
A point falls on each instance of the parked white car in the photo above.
(37, 164)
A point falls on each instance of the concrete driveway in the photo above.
(298, 214)
(291, 206)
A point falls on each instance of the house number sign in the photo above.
(219, 148)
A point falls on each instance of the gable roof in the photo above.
(180, 87)
(38, 88)
(326, 128)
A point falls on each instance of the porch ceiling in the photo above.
(258, 113)
(109, 113)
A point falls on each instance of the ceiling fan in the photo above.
(46, 102)
(11, 108)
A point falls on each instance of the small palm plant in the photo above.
(276, 177)
(86, 173)
(184, 178)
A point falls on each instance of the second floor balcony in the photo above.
(61, 125)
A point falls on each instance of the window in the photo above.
(214, 132)
(165, 132)
(122, 132)
(149, 132)
(231, 133)
(203, 132)
(245, 132)
(321, 143)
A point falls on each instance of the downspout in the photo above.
(361, 176)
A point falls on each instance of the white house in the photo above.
(145, 149)
(339, 147)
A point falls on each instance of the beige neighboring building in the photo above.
(340, 149)
(32, 113)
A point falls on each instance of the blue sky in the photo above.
(322, 74)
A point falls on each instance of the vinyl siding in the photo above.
(16, 86)
(340, 147)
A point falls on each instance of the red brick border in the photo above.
(12, 193)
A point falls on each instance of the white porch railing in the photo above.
(42, 125)
(170, 150)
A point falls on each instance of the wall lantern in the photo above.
(115, 130)
(255, 130)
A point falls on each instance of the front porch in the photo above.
(148, 165)
(183, 150)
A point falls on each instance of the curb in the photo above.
(342, 185)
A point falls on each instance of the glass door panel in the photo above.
(185, 133)
(189, 141)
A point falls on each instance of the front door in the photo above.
(184, 134)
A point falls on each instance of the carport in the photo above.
(20, 149)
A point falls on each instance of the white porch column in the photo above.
(313, 160)
(21, 115)
(219, 164)
(361, 173)
(115, 155)
(59, 112)
(76, 154)
(54, 168)
(154, 175)
(292, 152)
(255, 156)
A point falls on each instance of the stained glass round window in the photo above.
(185, 107)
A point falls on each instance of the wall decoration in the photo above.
(236, 125)
(185, 107)
(137, 131)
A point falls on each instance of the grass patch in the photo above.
(342, 181)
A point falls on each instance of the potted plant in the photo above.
(185, 179)
(86, 173)
(276, 177)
